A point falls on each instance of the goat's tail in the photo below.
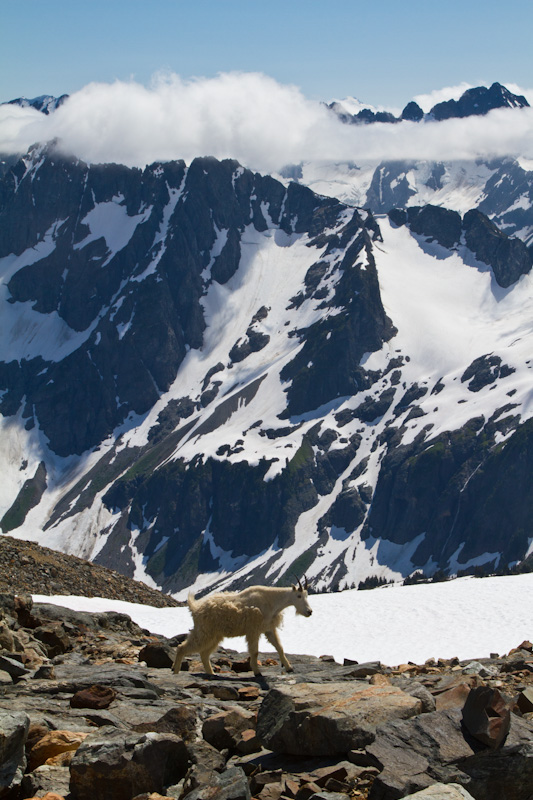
(192, 603)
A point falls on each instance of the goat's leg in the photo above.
(205, 654)
(253, 649)
(192, 644)
(273, 638)
(188, 646)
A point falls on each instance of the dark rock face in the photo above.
(478, 101)
(128, 355)
(412, 112)
(484, 371)
(508, 257)
(436, 223)
(389, 186)
(328, 365)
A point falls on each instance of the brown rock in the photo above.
(224, 692)
(525, 700)
(248, 742)
(290, 786)
(157, 655)
(225, 729)
(95, 696)
(151, 796)
(266, 778)
(7, 640)
(61, 760)
(54, 639)
(379, 680)
(487, 715)
(180, 720)
(271, 791)
(306, 790)
(242, 666)
(52, 744)
(453, 698)
(248, 692)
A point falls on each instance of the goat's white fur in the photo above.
(254, 611)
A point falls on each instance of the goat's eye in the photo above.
(299, 595)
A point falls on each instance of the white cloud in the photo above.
(249, 117)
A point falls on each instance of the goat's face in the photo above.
(301, 602)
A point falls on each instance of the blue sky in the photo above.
(384, 52)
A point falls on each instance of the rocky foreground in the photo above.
(90, 710)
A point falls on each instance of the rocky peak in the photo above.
(508, 256)
(412, 112)
(478, 101)
(45, 103)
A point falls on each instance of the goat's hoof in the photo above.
(289, 669)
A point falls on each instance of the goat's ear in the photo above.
(293, 587)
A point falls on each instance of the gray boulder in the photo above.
(229, 785)
(329, 719)
(44, 779)
(13, 734)
(414, 754)
(111, 763)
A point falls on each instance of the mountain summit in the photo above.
(473, 102)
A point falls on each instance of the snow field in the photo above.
(468, 618)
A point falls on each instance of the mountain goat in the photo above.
(255, 610)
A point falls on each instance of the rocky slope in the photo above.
(28, 568)
(89, 708)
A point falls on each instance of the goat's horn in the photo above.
(300, 587)
(306, 583)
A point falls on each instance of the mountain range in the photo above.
(211, 377)
(476, 101)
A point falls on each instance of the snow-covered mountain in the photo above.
(46, 103)
(502, 188)
(476, 101)
(209, 376)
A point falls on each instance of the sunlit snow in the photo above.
(468, 618)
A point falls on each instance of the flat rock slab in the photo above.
(329, 719)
